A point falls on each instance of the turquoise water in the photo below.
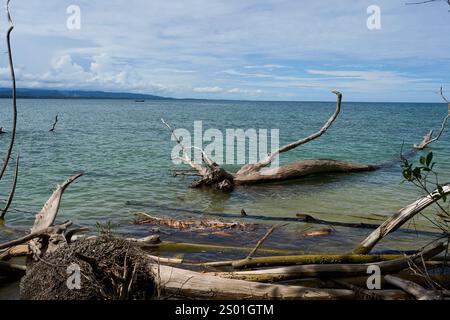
(125, 151)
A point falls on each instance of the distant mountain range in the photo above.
(24, 93)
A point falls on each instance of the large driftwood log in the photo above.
(398, 219)
(300, 169)
(331, 270)
(177, 282)
(212, 175)
(413, 289)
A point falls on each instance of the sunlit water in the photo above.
(125, 150)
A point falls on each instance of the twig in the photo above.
(264, 238)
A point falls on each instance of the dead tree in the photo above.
(428, 138)
(212, 175)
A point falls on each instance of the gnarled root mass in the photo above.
(110, 269)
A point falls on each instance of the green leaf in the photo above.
(423, 160)
(429, 159)
(417, 173)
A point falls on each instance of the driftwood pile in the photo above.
(114, 268)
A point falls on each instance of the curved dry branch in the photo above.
(293, 145)
(14, 99)
(47, 215)
(428, 138)
(13, 190)
(398, 219)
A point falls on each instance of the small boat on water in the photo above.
(139, 100)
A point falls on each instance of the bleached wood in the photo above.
(397, 220)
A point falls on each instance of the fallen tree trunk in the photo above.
(398, 219)
(331, 270)
(175, 282)
(212, 175)
(300, 169)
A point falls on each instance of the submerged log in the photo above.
(332, 270)
(203, 224)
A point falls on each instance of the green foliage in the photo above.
(422, 176)
(104, 230)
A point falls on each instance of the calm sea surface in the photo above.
(124, 150)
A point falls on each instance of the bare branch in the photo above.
(47, 215)
(428, 139)
(293, 145)
(13, 189)
(54, 123)
(427, 1)
(14, 99)
(398, 219)
(264, 238)
(186, 153)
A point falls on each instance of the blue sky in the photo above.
(229, 49)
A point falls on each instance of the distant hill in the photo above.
(75, 94)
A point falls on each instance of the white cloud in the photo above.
(208, 90)
(266, 66)
(173, 46)
(246, 91)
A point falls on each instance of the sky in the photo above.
(230, 49)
